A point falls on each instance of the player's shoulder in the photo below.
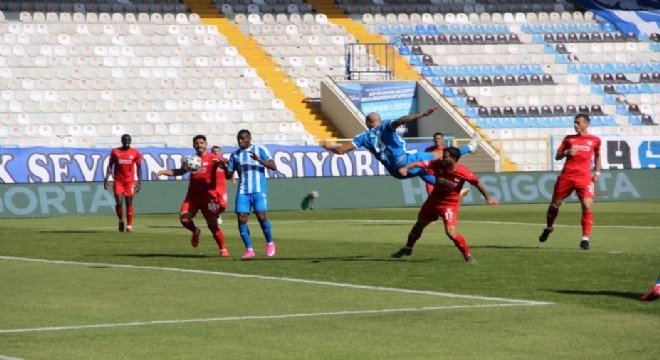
(462, 169)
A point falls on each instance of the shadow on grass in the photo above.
(622, 294)
(174, 256)
(71, 231)
(507, 247)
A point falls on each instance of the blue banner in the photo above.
(629, 16)
(391, 100)
(67, 165)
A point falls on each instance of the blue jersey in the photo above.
(390, 150)
(384, 143)
(251, 173)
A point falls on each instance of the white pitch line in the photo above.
(3, 357)
(380, 221)
(284, 279)
(368, 221)
(261, 317)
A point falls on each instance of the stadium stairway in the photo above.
(307, 113)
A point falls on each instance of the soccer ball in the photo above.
(192, 163)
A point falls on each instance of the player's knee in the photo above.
(184, 221)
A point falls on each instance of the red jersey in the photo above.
(124, 163)
(204, 181)
(579, 164)
(448, 183)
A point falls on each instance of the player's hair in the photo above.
(584, 116)
(438, 134)
(129, 136)
(243, 132)
(215, 147)
(197, 137)
(454, 152)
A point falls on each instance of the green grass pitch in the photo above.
(76, 288)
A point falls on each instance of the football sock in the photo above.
(218, 236)
(244, 230)
(188, 224)
(551, 215)
(460, 243)
(119, 210)
(265, 227)
(587, 222)
(464, 149)
(129, 215)
(412, 238)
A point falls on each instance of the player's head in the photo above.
(126, 140)
(439, 139)
(199, 144)
(581, 123)
(244, 139)
(216, 150)
(450, 156)
(372, 120)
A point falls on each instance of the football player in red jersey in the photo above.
(125, 160)
(444, 200)
(203, 194)
(578, 150)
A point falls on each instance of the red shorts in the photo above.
(432, 212)
(209, 206)
(565, 186)
(125, 188)
(222, 200)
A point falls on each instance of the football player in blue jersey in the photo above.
(383, 141)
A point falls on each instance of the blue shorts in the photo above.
(409, 158)
(254, 201)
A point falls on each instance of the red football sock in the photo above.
(587, 222)
(218, 235)
(189, 224)
(119, 210)
(551, 215)
(129, 215)
(412, 238)
(460, 243)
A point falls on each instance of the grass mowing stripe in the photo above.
(272, 278)
(2, 357)
(262, 317)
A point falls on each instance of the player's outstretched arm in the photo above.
(170, 172)
(413, 117)
(337, 149)
(489, 200)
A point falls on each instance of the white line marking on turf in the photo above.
(3, 357)
(262, 317)
(380, 221)
(284, 279)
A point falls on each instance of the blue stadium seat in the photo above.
(609, 99)
(609, 120)
(633, 89)
(448, 92)
(467, 29)
(621, 88)
(471, 112)
(404, 50)
(596, 68)
(537, 39)
(460, 101)
(621, 109)
(573, 69)
(420, 30)
(427, 71)
(526, 28)
(437, 81)
(597, 89)
(432, 30)
(634, 120)
(584, 79)
(415, 61)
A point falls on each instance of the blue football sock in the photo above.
(265, 227)
(244, 230)
(464, 149)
